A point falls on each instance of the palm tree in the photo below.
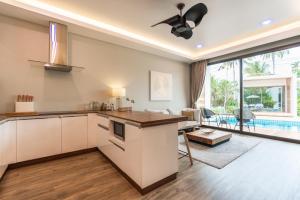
(222, 91)
(229, 65)
(274, 55)
(227, 89)
(296, 68)
(256, 68)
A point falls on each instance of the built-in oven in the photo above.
(119, 130)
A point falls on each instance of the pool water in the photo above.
(272, 124)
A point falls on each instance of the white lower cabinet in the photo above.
(102, 138)
(37, 138)
(93, 129)
(133, 153)
(74, 133)
(125, 154)
(8, 143)
(28, 139)
(115, 152)
(112, 147)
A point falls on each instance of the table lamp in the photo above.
(118, 93)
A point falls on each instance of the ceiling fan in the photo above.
(179, 23)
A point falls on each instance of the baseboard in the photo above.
(159, 183)
(49, 158)
(147, 189)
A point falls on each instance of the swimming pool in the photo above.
(272, 124)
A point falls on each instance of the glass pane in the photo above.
(220, 96)
(271, 93)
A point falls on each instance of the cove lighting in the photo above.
(290, 28)
(66, 15)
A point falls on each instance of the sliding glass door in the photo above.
(270, 94)
(220, 98)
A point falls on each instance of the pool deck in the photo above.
(278, 133)
(279, 118)
(269, 117)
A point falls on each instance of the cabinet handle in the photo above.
(75, 115)
(116, 145)
(35, 117)
(103, 127)
(101, 115)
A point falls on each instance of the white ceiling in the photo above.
(229, 25)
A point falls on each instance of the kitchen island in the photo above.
(147, 154)
(141, 145)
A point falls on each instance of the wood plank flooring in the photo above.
(271, 170)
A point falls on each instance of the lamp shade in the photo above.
(118, 92)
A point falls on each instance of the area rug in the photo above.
(223, 154)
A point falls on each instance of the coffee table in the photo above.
(210, 138)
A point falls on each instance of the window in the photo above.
(221, 92)
(270, 94)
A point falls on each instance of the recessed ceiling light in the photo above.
(266, 22)
(199, 46)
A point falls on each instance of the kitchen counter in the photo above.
(145, 119)
(3, 119)
(51, 114)
(146, 154)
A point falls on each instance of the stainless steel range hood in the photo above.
(58, 49)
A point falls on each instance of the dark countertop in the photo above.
(145, 119)
(2, 118)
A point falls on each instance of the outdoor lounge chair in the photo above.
(248, 118)
(209, 116)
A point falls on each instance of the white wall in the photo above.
(106, 65)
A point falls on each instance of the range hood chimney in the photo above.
(58, 49)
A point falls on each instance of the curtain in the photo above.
(198, 70)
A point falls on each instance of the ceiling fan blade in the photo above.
(187, 34)
(172, 21)
(196, 13)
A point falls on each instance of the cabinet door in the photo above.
(103, 121)
(37, 138)
(111, 146)
(9, 143)
(102, 137)
(74, 133)
(93, 129)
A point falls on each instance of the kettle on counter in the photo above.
(94, 105)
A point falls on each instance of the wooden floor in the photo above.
(271, 170)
